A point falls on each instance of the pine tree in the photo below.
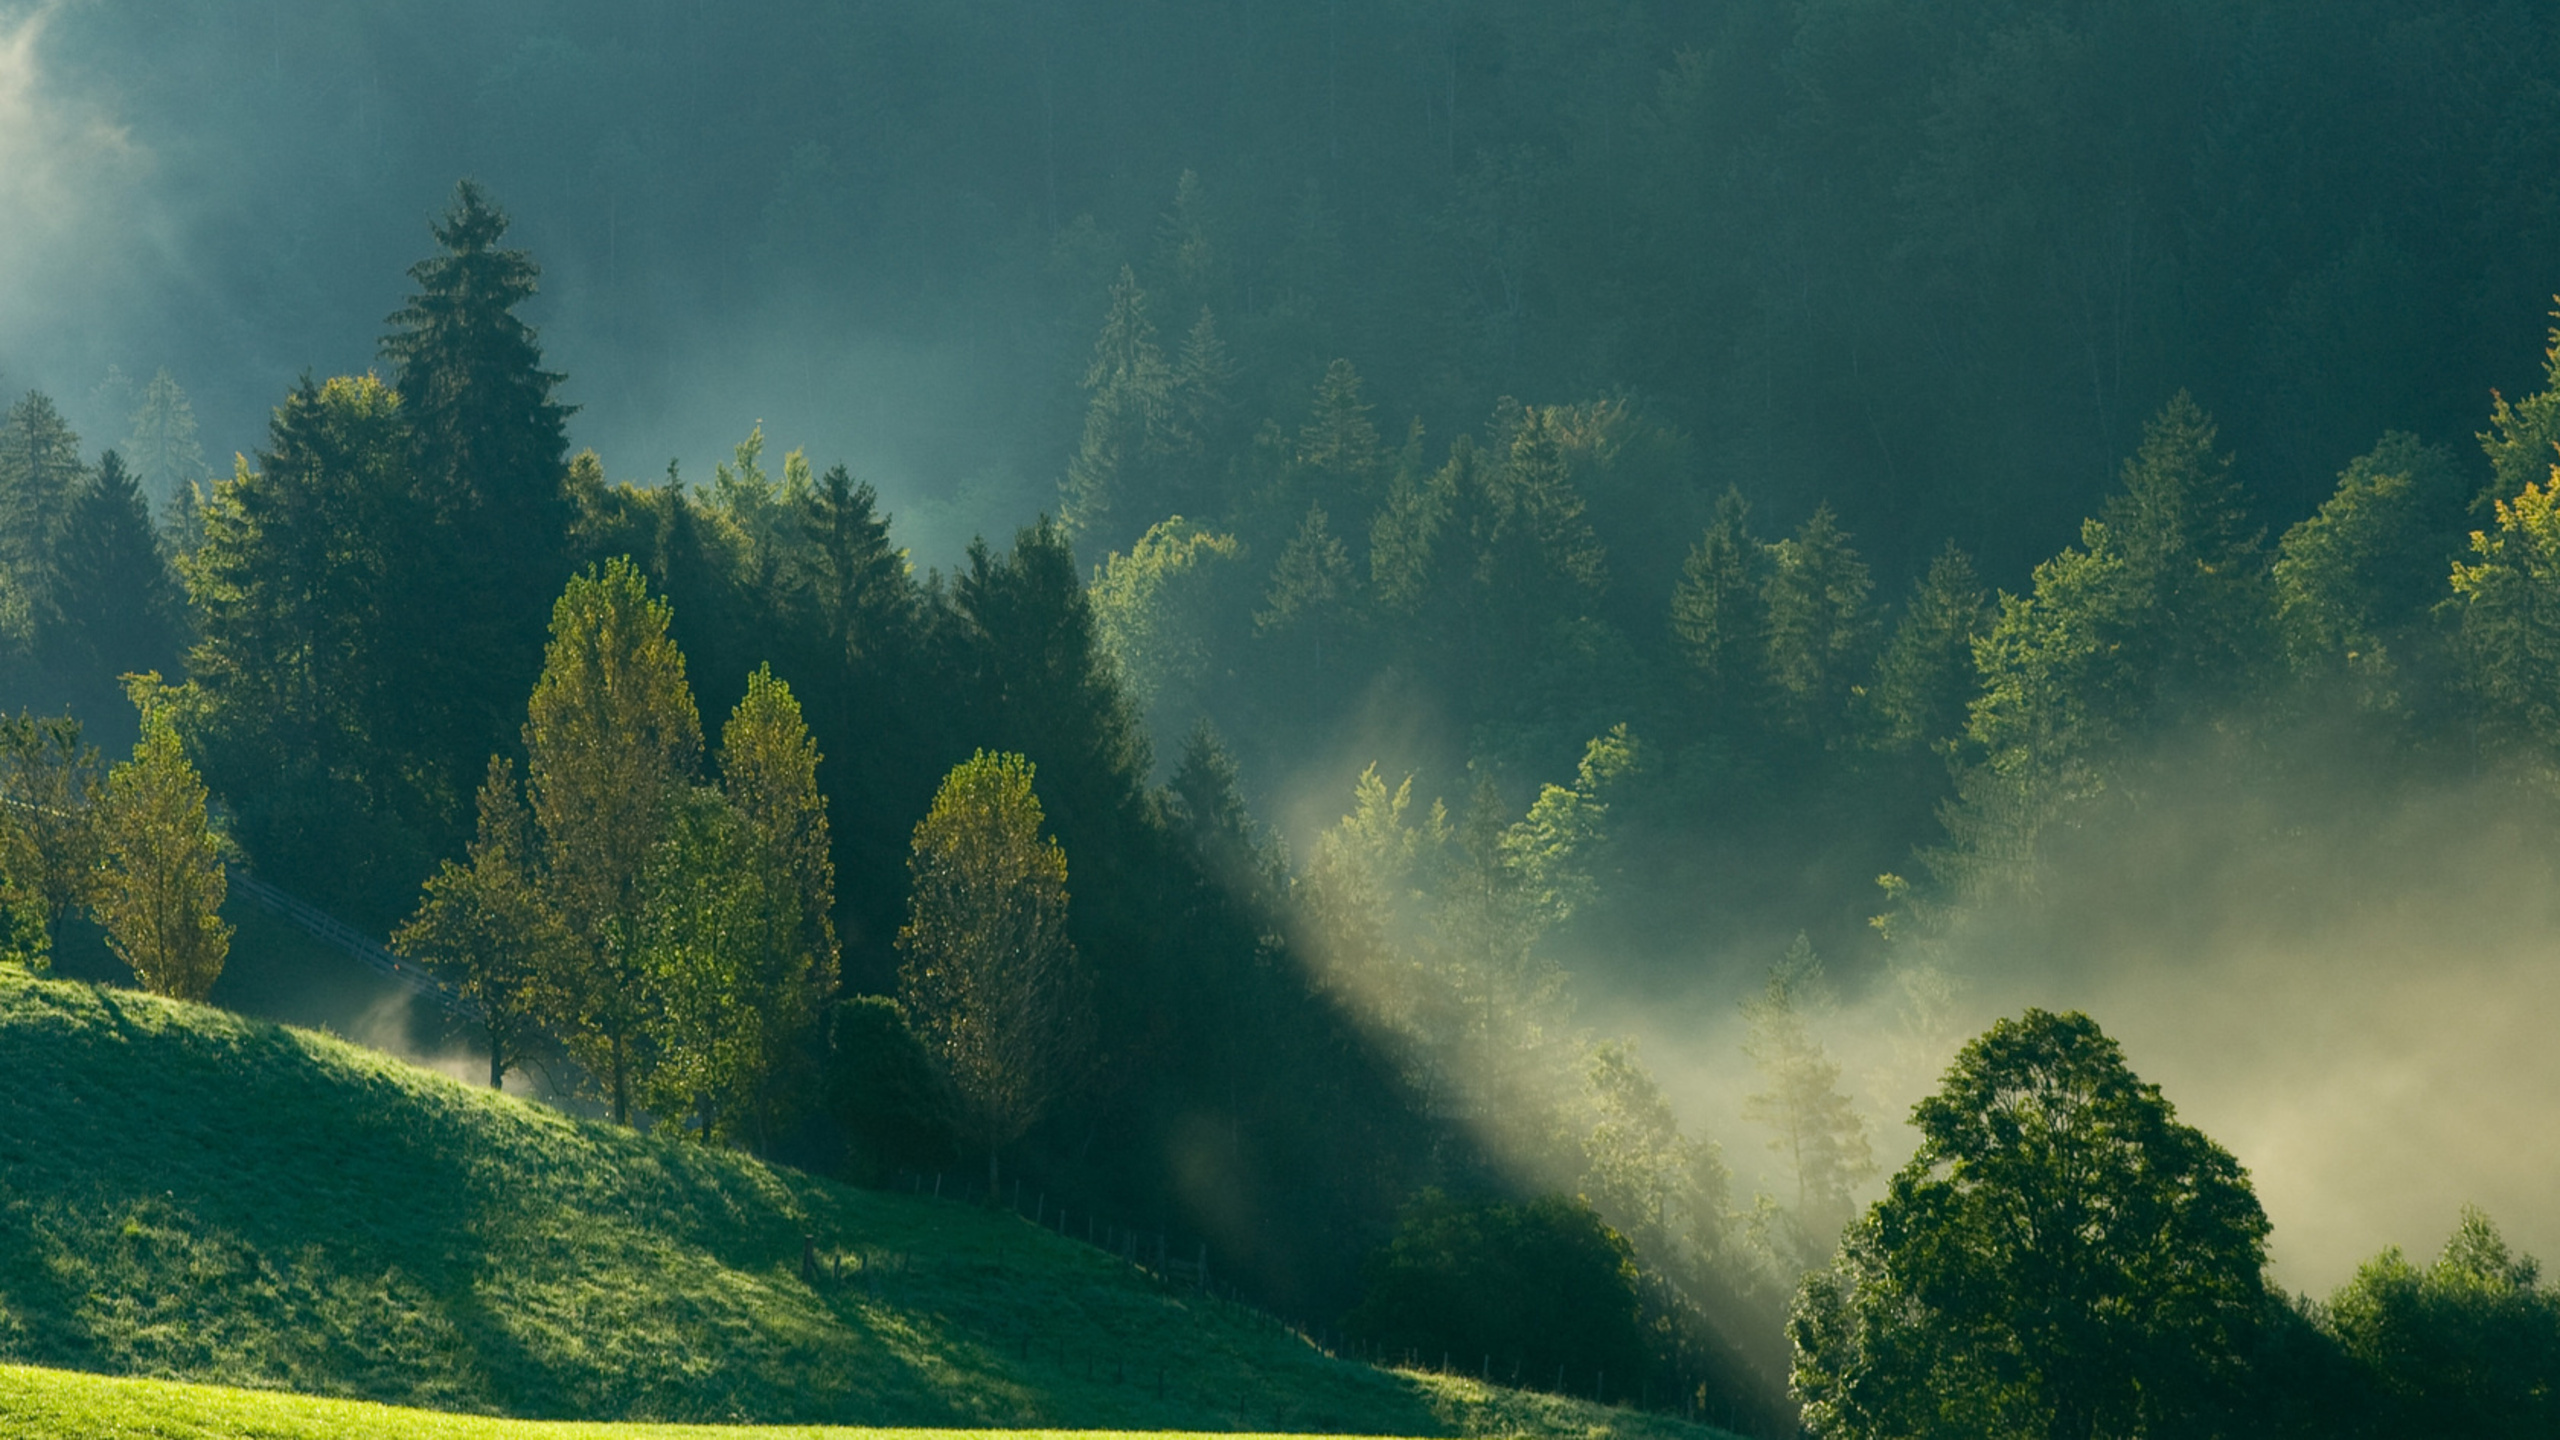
(1310, 587)
(613, 741)
(2192, 561)
(1815, 624)
(117, 609)
(161, 899)
(1337, 447)
(162, 445)
(1716, 614)
(491, 458)
(40, 478)
(1113, 482)
(484, 926)
(1925, 675)
(986, 972)
(858, 580)
(1203, 397)
(313, 629)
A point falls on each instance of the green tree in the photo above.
(613, 741)
(490, 447)
(316, 691)
(161, 899)
(1814, 1130)
(2507, 606)
(1925, 676)
(117, 608)
(733, 986)
(1311, 587)
(1114, 479)
(986, 972)
(1152, 612)
(1716, 612)
(1539, 1289)
(2523, 438)
(51, 838)
(40, 479)
(2468, 1346)
(1337, 452)
(484, 926)
(2355, 584)
(2061, 1258)
(161, 442)
(2193, 565)
(1815, 624)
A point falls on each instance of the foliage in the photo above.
(987, 973)
(51, 841)
(1924, 678)
(1152, 612)
(2507, 604)
(2467, 1346)
(484, 926)
(1536, 1287)
(160, 900)
(1815, 620)
(2356, 581)
(613, 740)
(2061, 1257)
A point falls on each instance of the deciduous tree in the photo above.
(613, 742)
(161, 899)
(2061, 1258)
(986, 972)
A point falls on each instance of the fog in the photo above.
(2347, 980)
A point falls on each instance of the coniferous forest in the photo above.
(1582, 683)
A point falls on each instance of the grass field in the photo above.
(192, 1196)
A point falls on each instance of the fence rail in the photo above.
(329, 928)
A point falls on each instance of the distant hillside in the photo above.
(189, 1195)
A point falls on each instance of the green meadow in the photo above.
(303, 1224)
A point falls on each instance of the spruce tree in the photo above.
(40, 477)
(161, 444)
(116, 608)
(1815, 624)
(490, 449)
(1113, 483)
(1716, 614)
(1925, 675)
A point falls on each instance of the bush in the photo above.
(1532, 1290)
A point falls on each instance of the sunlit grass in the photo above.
(189, 1195)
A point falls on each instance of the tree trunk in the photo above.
(621, 1086)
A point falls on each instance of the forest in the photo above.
(1524, 621)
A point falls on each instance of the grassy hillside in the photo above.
(42, 1404)
(190, 1195)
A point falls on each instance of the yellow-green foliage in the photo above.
(188, 1195)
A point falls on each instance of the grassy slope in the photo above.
(190, 1195)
